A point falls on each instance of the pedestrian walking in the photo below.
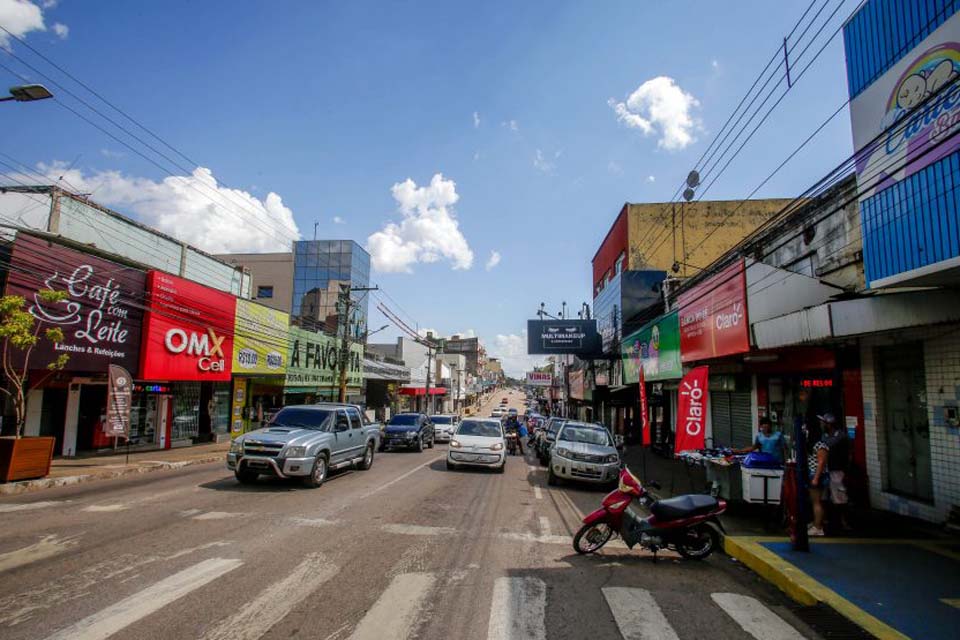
(838, 460)
(817, 453)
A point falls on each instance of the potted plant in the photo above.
(22, 458)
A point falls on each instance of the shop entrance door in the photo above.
(53, 415)
(905, 421)
(93, 405)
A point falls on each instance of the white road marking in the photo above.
(537, 493)
(637, 614)
(394, 614)
(518, 609)
(314, 522)
(46, 547)
(190, 512)
(754, 618)
(30, 506)
(545, 526)
(104, 508)
(399, 478)
(417, 530)
(109, 621)
(274, 603)
(217, 515)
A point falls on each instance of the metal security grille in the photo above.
(732, 420)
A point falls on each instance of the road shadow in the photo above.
(269, 484)
(441, 465)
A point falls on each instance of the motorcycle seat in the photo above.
(683, 506)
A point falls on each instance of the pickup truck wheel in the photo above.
(319, 473)
(246, 477)
(367, 458)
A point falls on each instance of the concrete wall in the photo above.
(268, 269)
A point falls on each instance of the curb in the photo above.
(29, 486)
(799, 586)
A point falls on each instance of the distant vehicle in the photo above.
(584, 452)
(409, 431)
(478, 442)
(504, 400)
(512, 412)
(497, 412)
(306, 442)
(444, 426)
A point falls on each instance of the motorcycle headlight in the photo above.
(612, 458)
(455, 444)
(496, 447)
(563, 453)
(296, 452)
(236, 446)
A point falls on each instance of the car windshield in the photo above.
(587, 435)
(441, 419)
(479, 428)
(556, 426)
(404, 419)
(300, 418)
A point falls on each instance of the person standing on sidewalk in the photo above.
(837, 461)
(767, 441)
(817, 454)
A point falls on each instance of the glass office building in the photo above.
(319, 268)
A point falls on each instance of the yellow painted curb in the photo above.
(800, 586)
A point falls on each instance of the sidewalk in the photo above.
(68, 471)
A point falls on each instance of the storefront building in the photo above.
(313, 370)
(654, 349)
(261, 344)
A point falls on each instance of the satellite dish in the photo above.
(693, 179)
(688, 194)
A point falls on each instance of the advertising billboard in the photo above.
(577, 337)
(312, 361)
(713, 316)
(101, 317)
(188, 331)
(656, 348)
(260, 340)
(539, 378)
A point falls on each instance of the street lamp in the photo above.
(28, 93)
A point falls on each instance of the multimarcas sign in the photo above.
(100, 318)
(260, 340)
(655, 347)
(713, 316)
(188, 331)
(313, 361)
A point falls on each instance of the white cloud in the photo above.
(338, 220)
(19, 17)
(476, 120)
(651, 178)
(469, 333)
(511, 124)
(660, 107)
(61, 30)
(48, 4)
(512, 351)
(542, 164)
(614, 168)
(428, 232)
(194, 208)
(493, 260)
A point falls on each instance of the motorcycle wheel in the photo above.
(592, 537)
(698, 542)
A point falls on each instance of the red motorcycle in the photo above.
(686, 523)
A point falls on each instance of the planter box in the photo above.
(25, 458)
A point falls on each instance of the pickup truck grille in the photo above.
(270, 449)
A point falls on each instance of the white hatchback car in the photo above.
(478, 442)
(444, 426)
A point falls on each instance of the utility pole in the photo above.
(344, 305)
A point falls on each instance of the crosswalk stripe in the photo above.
(518, 609)
(394, 614)
(107, 622)
(274, 603)
(637, 614)
(754, 618)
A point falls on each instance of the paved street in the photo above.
(404, 550)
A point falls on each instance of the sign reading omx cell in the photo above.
(713, 316)
(188, 331)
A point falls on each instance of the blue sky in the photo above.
(329, 105)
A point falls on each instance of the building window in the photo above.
(264, 292)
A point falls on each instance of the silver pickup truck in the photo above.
(306, 442)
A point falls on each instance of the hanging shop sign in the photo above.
(312, 361)
(692, 411)
(260, 340)
(577, 385)
(100, 317)
(539, 378)
(119, 392)
(577, 337)
(188, 331)
(655, 348)
(644, 412)
(713, 316)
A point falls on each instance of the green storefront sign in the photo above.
(312, 362)
(657, 347)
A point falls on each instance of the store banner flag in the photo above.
(692, 413)
(644, 410)
(119, 390)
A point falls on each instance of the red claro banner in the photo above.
(713, 316)
(692, 411)
(644, 411)
(188, 331)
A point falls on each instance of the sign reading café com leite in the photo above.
(577, 337)
(188, 331)
(713, 316)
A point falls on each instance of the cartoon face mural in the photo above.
(912, 91)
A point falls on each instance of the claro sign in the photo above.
(188, 331)
(713, 316)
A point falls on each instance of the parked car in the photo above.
(306, 442)
(409, 431)
(478, 442)
(547, 437)
(583, 452)
(444, 426)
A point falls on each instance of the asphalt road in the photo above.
(404, 550)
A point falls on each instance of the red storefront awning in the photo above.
(420, 391)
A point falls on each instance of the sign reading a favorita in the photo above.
(101, 316)
(188, 331)
(314, 361)
(713, 316)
